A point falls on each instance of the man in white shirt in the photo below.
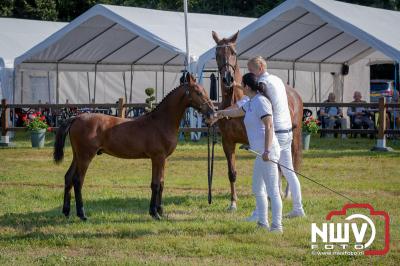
(276, 92)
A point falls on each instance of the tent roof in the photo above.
(313, 32)
(19, 35)
(113, 37)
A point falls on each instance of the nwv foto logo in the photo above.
(337, 235)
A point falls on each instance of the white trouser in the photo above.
(265, 175)
(285, 142)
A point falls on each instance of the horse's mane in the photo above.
(158, 106)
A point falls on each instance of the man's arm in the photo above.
(267, 120)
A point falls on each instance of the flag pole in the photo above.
(187, 63)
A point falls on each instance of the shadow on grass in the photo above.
(31, 221)
(351, 153)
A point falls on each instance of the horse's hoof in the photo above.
(156, 216)
(66, 212)
(83, 218)
(232, 207)
(81, 214)
(160, 210)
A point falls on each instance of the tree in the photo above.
(34, 9)
(6, 8)
(67, 10)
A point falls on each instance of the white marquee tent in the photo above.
(16, 37)
(102, 47)
(319, 36)
(105, 45)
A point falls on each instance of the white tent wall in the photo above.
(73, 86)
(6, 83)
(35, 87)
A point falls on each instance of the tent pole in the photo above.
(185, 7)
(130, 93)
(57, 86)
(342, 85)
(294, 76)
(320, 83)
(88, 85)
(315, 91)
(156, 81)
(22, 86)
(126, 92)
(14, 83)
(13, 98)
(218, 88)
(163, 81)
(95, 84)
(396, 82)
(48, 85)
(288, 77)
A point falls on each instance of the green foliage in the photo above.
(6, 8)
(310, 125)
(35, 9)
(149, 91)
(67, 10)
(35, 121)
(150, 100)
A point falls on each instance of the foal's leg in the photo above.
(157, 184)
(67, 188)
(229, 149)
(160, 209)
(78, 179)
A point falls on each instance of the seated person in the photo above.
(332, 116)
(360, 116)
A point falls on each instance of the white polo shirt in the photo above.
(255, 110)
(277, 94)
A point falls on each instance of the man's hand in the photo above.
(265, 156)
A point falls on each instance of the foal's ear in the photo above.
(215, 37)
(190, 79)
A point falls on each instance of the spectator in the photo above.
(332, 116)
(360, 116)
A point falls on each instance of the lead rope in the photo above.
(210, 167)
(246, 147)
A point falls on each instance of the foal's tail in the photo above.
(62, 133)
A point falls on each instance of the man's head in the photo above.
(357, 96)
(257, 65)
(331, 97)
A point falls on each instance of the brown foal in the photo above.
(153, 136)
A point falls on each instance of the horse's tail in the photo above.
(62, 133)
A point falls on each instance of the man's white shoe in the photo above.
(295, 213)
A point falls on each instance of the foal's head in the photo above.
(197, 96)
(226, 56)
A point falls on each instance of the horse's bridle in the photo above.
(187, 93)
(227, 64)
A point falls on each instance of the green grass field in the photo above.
(120, 231)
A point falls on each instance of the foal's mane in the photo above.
(158, 106)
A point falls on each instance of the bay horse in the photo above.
(233, 130)
(154, 136)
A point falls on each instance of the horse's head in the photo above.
(198, 97)
(226, 56)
